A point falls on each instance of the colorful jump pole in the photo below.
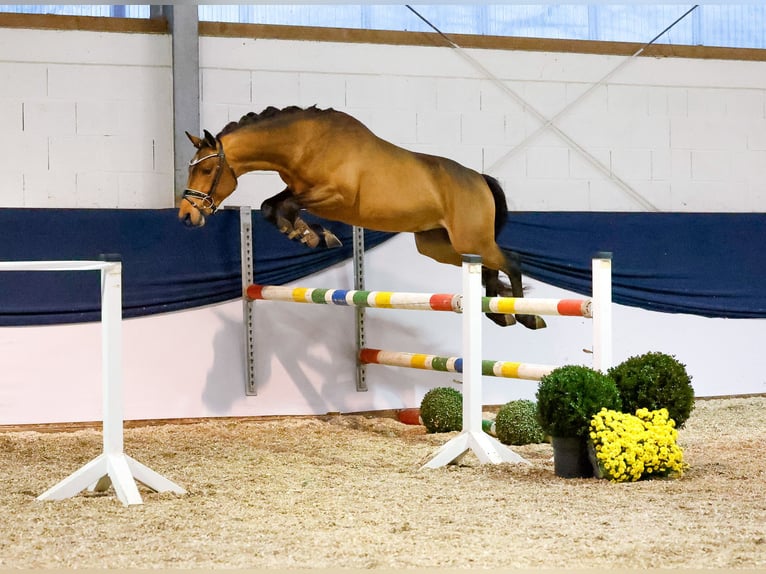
(357, 298)
(489, 368)
(418, 301)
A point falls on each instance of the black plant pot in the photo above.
(570, 457)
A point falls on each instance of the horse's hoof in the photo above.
(310, 237)
(298, 233)
(331, 239)
(531, 321)
(502, 320)
(304, 233)
(284, 225)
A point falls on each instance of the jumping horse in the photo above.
(336, 168)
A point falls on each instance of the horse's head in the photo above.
(211, 180)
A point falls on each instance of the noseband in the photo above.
(207, 198)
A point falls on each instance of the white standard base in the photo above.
(118, 470)
(486, 448)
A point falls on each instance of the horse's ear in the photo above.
(210, 139)
(197, 142)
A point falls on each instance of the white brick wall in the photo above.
(92, 120)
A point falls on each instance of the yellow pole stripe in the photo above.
(418, 361)
(506, 305)
(299, 294)
(508, 369)
(383, 299)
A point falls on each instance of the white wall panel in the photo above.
(50, 188)
(63, 46)
(438, 128)
(321, 90)
(269, 88)
(632, 164)
(98, 189)
(226, 86)
(49, 116)
(482, 128)
(29, 152)
(458, 95)
(147, 190)
(756, 135)
(12, 186)
(399, 125)
(21, 80)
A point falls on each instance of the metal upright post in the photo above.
(248, 276)
(183, 22)
(361, 370)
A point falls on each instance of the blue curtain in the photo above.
(166, 266)
(709, 264)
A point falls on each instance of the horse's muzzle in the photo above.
(190, 215)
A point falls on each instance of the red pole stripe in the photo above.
(441, 302)
(570, 307)
(255, 292)
(368, 356)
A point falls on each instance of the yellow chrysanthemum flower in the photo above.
(630, 447)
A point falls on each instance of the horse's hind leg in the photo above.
(495, 259)
(435, 243)
(494, 288)
(512, 269)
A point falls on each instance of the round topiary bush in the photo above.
(655, 381)
(516, 423)
(569, 396)
(441, 410)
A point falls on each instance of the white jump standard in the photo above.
(113, 466)
(472, 438)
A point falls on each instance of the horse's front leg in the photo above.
(274, 211)
(283, 209)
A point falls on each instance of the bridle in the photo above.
(207, 198)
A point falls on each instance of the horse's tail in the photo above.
(501, 204)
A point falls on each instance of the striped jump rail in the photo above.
(505, 369)
(418, 301)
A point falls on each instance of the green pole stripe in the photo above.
(487, 367)
(439, 363)
(360, 298)
(317, 295)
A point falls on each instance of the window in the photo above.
(115, 10)
(730, 25)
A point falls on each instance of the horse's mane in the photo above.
(251, 118)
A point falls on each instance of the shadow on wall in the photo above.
(305, 358)
(219, 395)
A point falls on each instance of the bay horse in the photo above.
(336, 168)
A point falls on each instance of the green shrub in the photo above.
(516, 423)
(441, 410)
(655, 381)
(569, 396)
